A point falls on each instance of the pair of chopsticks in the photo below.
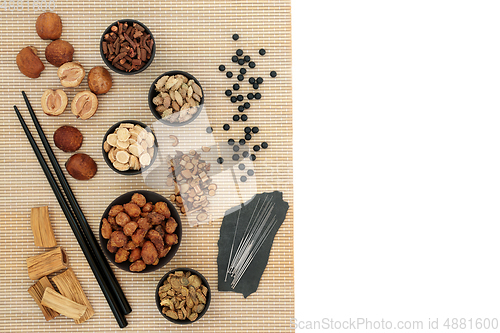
(78, 223)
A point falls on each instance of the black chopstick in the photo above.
(101, 259)
(119, 316)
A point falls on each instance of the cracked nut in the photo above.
(99, 80)
(71, 74)
(59, 52)
(81, 166)
(68, 138)
(54, 102)
(84, 105)
(49, 26)
(28, 62)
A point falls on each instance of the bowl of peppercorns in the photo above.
(176, 98)
(127, 47)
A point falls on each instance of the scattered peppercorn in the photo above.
(236, 37)
(251, 64)
(262, 52)
(245, 154)
(222, 68)
(256, 148)
(250, 96)
(256, 85)
(251, 80)
(210, 129)
(248, 137)
(255, 129)
(240, 98)
(236, 117)
(243, 70)
(243, 179)
(239, 52)
(220, 160)
(234, 59)
(226, 127)
(253, 157)
(230, 142)
(250, 172)
(273, 74)
(236, 157)
(242, 142)
(233, 99)
(244, 117)
(236, 86)
(229, 75)
(241, 166)
(236, 148)
(246, 105)
(241, 108)
(241, 77)
(247, 129)
(264, 145)
(260, 80)
(246, 58)
(258, 96)
(228, 93)
(241, 61)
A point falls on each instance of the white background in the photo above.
(396, 159)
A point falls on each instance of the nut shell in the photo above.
(49, 26)
(59, 52)
(28, 62)
(99, 80)
(54, 102)
(84, 104)
(71, 74)
(81, 166)
(68, 138)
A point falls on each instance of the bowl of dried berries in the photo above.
(176, 98)
(140, 231)
(127, 47)
(183, 296)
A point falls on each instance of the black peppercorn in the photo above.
(226, 127)
(257, 96)
(241, 77)
(210, 129)
(236, 86)
(236, 148)
(260, 80)
(256, 148)
(245, 154)
(241, 166)
(236, 37)
(236, 117)
(244, 117)
(251, 80)
(240, 97)
(229, 75)
(233, 99)
(230, 142)
(256, 85)
(253, 157)
(234, 59)
(246, 105)
(247, 129)
(241, 61)
(228, 93)
(242, 142)
(236, 157)
(251, 64)
(248, 137)
(243, 70)
(239, 52)
(220, 160)
(264, 145)
(273, 74)
(246, 58)
(241, 108)
(243, 179)
(249, 96)
(255, 129)
(222, 68)
(262, 52)
(250, 172)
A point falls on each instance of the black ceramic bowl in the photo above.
(153, 93)
(128, 172)
(205, 283)
(109, 63)
(150, 197)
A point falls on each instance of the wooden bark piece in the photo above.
(46, 263)
(41, 227)
(69, 286)
(36, 291)
(63, 305)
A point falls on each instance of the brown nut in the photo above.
(49, 26)
(81, 166)
(71, 74)
(59, 52)
(28, 62)
(68, 138)
(54, 102)
(99, 80)
(84, 104)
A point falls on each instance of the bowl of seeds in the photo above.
(176, 98)
(129, 147)
(183, 296)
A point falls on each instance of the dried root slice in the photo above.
(122, 157)
(54, 102)
(134, 163)
(84, 105)
(121, 166)
(62, 304)
(145, 159)
(71, 74)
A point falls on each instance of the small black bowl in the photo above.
(108, 161)
(205, 283)
(108, 63)
(150, 197)
(153, 93)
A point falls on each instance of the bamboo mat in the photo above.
(193, 36)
